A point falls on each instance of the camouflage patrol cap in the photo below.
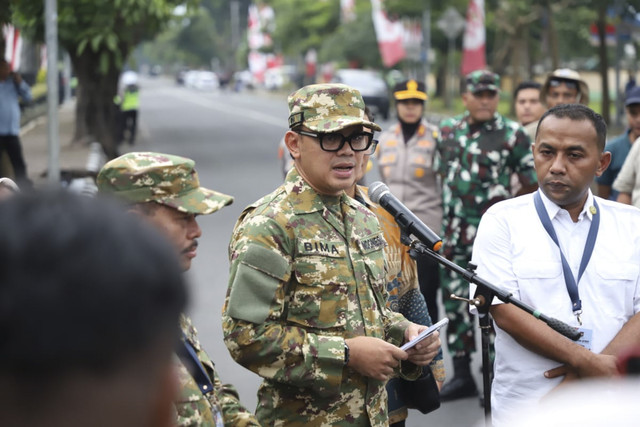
(327, 108)
(480, 80)
(169, 180)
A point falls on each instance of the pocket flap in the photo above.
(537, 269)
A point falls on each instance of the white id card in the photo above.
(424, 334)
(586, 339)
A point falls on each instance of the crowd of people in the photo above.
(322, 289)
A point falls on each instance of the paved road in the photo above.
(234, 138)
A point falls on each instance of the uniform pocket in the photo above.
(538, 281)
(617, 281)
(319, 297)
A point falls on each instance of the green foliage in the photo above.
(353, 43)
(110, 28)
(304, 25)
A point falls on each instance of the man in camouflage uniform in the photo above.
(306, 305)
(165, 191)
(477, 153)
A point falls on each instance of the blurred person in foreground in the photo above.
(620, 146)
(8, 188)
(478, 153)
(568, 254)
(306, 305)
(405, 157)
(528, 106)
(164, 191)
(12, 90)
(402, 285)
(89, 316)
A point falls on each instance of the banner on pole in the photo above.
(389, 34)
(13, 46)
(474, 42)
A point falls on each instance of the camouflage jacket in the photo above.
(476, 163)
(221, 407)
(307, 272)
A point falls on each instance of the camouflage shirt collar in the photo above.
(303, 198)
(496, 122)
(189, 331)
(363, 193)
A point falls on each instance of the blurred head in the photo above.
(8, 188)
(327, 138)
(410, 97)
(632, 108)
(91, 299)
(166, 191)
(527, 102)
(5, 69)
(569, 153)
(564, 86)
(482, 95)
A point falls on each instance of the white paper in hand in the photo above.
(424, 334)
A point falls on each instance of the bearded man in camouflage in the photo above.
(476, 154)
(306, 305)
(165, 191)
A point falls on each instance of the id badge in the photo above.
(586, 339)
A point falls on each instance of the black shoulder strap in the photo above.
(189, 358)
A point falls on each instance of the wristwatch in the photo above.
(346, 354)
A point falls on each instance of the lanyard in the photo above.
(189, 358)
(570, 281)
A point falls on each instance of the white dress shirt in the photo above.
(514, 252)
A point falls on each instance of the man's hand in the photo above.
(373, 357)
(422, 353)
(598, 365)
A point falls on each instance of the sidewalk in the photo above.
(35, 145)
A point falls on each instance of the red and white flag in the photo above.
(389, 34)
(13, 46)
(474, 42)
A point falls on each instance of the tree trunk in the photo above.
(96, 113)
(604, 62)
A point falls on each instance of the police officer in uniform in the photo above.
(477, 153)
(405, 157)
(165, 191)
(306, 305)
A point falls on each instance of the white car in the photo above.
(206, 80)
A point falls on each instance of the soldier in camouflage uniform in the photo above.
(477, 153)
(165, 190)
(306, 305)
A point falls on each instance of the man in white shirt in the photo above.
(515, 252)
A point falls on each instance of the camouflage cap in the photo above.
(480, 80)
(172, 181)
(327, 108)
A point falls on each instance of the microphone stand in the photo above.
(484, 294)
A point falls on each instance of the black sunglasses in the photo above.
(334, 141)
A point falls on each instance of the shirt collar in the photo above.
(304, 199)
(553, 209)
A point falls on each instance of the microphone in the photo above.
(380, 194)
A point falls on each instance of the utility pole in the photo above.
(51, 32)
(235, 30)
(426, 39)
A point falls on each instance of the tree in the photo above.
(303, 25)
(99, 36)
